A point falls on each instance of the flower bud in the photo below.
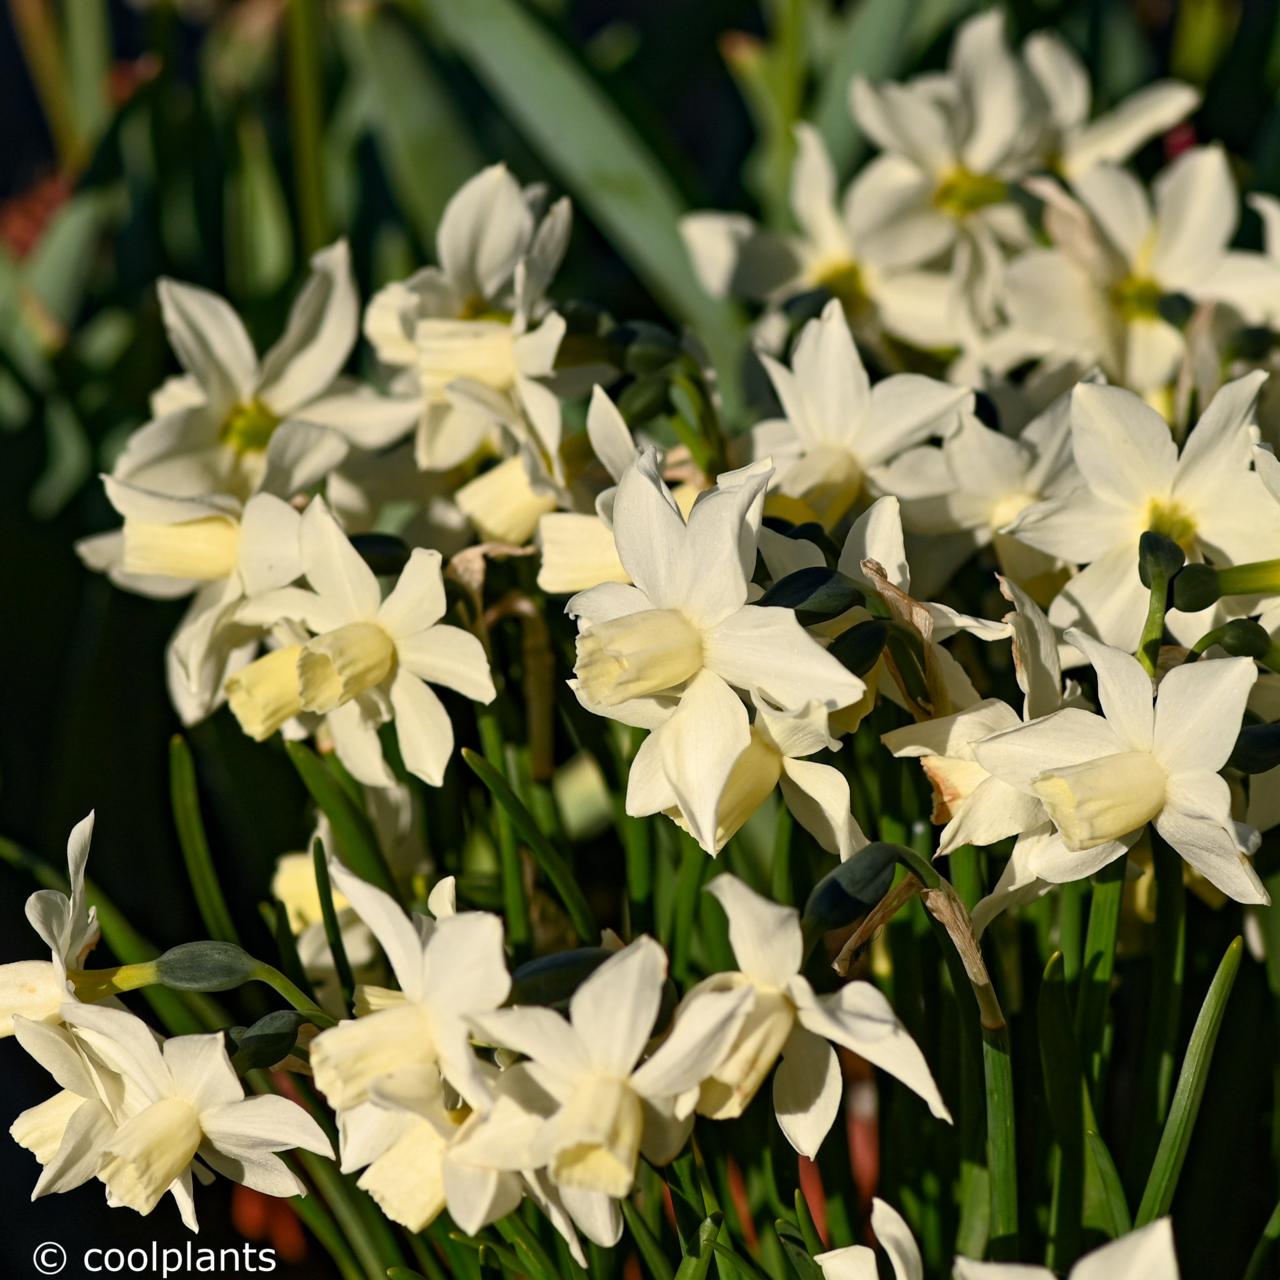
(1195, 587)
(1159, 558)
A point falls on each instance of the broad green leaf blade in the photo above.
(545, 853)
(1172, 1151)
(410, 115)
(357, 842)
(185, 800)
(602, 161)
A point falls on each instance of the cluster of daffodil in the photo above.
(996, 347)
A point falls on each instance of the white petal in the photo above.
(614, 1010)
(859, 1017)
(354, 730)
(609, 434)
(270, 551)
(54, 1049)
(539, 1034)
(384, 916)
(818, 796)
(1199, 708)
(486, 227)
(700, 743)
(124, 1043)
(334, 567)
(318, 337)
(1144, 1254)
(1123, 446)
(854, 1262)
(210, 341)
(417, 600)
(743, 649)
(765, 936)
(1124, 691)
(1070, 736)
(1196, 211)
(877, 535)
(1119, 203)
(451, 657)
(1115, 136)
(705, 1027)
(202, 1071)
(806, 1090)
(897, 1241)
(1196, 821)
(1107, 599)
(650, 534)
(358, 415)
(423, 728)
(262, 1124)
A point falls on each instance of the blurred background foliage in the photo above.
(222, 142)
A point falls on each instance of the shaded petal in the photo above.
(423, 728)
(765, 936)
(1124, 690)
(1067, 737)
(1196, 821)
(806, 1091)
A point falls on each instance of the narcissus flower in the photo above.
(817, 794)
(474, 334)
(1207, 498)
(608, 1106)
(37, 989)
(212, 426)
(670, 652)
(840, 430)
(369, 660)
(1102, 779)
(448, 969)
(153, 1114)
(786, 1018)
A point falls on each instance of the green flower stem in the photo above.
(185, 800)
(1153, 628)
(783, 890)
(276, 980)
(964, 959)
(339, 1196)
(694, 864)
(1099, 962)
(305, 19)
(1261, 577)
(515, 905)
(333, 933)
(636, 847)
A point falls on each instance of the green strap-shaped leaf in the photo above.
(545, 853)
(588, 141)
(332, 933)
(195, 845)
(357, 843)
(1163, 1180)
(647, 1243)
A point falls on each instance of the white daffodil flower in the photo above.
(212, 426)
(984, 479)
(216, 548)
(405, 1138)
(1206, 498)
(839, 430)
(1074, 144)
(670, 652)
(1095, 296)
(735, 257)
(608, 1107)
(817, 794)
(37, 989)
(473, 334)
(952, 144)
(786, 1017)
(448, 969)
(369, 660)
(976, 807)
(1144, 1254)
(857, 1262)
(1102, 779)
(178, 1108)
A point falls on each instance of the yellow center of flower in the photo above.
(479, 350)
(728, 1092)
(249, 427)
(1174, 521)
(843, 279)
(602, 1122)
(149, 1152)
(267, 693)
(204, 550)
(1103, 799)
(653, 651)
(960, 193)
(1136, 298)
(340, 665)
(1009, 508)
